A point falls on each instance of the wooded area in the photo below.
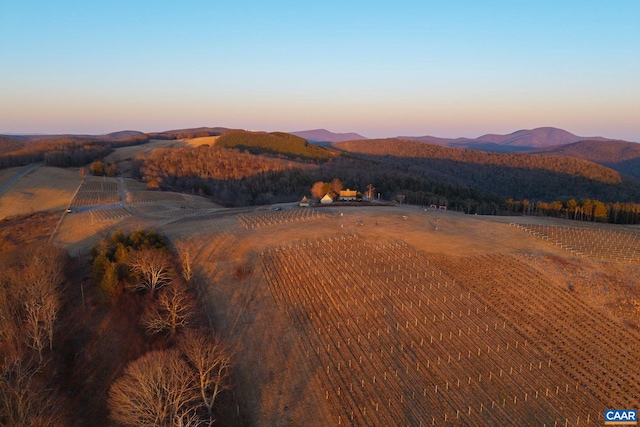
(132, 342)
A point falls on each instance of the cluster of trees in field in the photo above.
(31, 289)
(276, 143)
(580, 210)
(132, 345)
(63, 151)
(177, 383)
(100, 168)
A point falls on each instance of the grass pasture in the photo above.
(129, 153)
(43, 189)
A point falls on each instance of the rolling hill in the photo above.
(621, 156)
(278, 143)
(515, 175)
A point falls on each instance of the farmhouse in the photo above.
(304, 203)
(326, 199)
(348, 195)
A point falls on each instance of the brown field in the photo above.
(6, 174)
(395, 315)
(124, 154)
(129, 153)
(205, 140)
(43, 189)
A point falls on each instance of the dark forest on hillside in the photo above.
(63, 151)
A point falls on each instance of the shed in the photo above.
(326, 199)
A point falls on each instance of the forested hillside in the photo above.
(65, 151)
(621, 156)
(276, 143)
(520, 176)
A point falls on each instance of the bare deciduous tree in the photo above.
(185, 256)
(156, 390)
(336, 186)
(31, 286)
(172, 310)
(210, 357)
(24, 399)
(371, 191)
(154, 268)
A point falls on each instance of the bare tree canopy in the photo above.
(185, 257)
(153, 266)
(30, 286)
(210, 357)
(156, 390)
(25, 400)
(336, 186)
(172, 310)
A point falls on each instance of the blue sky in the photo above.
(443, 68)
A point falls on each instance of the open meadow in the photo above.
(42, 189)
(389, 315)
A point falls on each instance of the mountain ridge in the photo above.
(520, 140)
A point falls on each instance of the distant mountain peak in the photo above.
(324, 136)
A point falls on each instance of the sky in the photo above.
(380, 68)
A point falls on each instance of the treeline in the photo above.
(276, 143)
(580, 210)
(62, 151)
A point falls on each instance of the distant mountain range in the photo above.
(522, 140)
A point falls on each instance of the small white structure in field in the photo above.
(326, 199)
(304, 203)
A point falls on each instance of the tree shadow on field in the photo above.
(272, 381)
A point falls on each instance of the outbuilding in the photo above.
(326, 199)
